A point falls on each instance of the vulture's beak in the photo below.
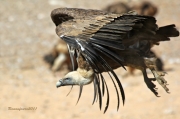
(65, 82)
(59, 84)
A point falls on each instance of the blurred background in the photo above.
(27, 37)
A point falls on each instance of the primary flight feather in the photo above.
(99, 42)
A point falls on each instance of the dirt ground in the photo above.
(27, 34)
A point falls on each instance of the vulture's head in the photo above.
(79, 77)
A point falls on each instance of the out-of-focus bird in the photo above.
(142, 8)
(117, 7)
(102, 41)
(145, 8)
(58, 57)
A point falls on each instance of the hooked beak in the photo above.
(65, 82)
(59, 84)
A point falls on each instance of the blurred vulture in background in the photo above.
(142, 8)
(58, 57)
(100, 41)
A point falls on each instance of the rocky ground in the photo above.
(27, 33)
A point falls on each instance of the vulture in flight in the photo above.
(100, 41)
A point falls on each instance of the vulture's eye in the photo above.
(67, 79)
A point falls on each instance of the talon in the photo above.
(166, 89)
(162, 73)
(151, 86)
(149, 83)
(164, 80)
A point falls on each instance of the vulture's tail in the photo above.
(164, 33)
(168, 31)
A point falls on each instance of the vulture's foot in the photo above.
(149, 82)
(158, 76)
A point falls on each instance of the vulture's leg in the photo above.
(151, 64)
(149, 82)
(136, 61)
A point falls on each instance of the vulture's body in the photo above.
(102, 41)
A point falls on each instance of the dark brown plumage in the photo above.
(102, 41)
(142, 8)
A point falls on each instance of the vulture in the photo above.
(100, 41)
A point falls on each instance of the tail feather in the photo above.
(168, 31)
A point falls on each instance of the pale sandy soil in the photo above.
(27, 33)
